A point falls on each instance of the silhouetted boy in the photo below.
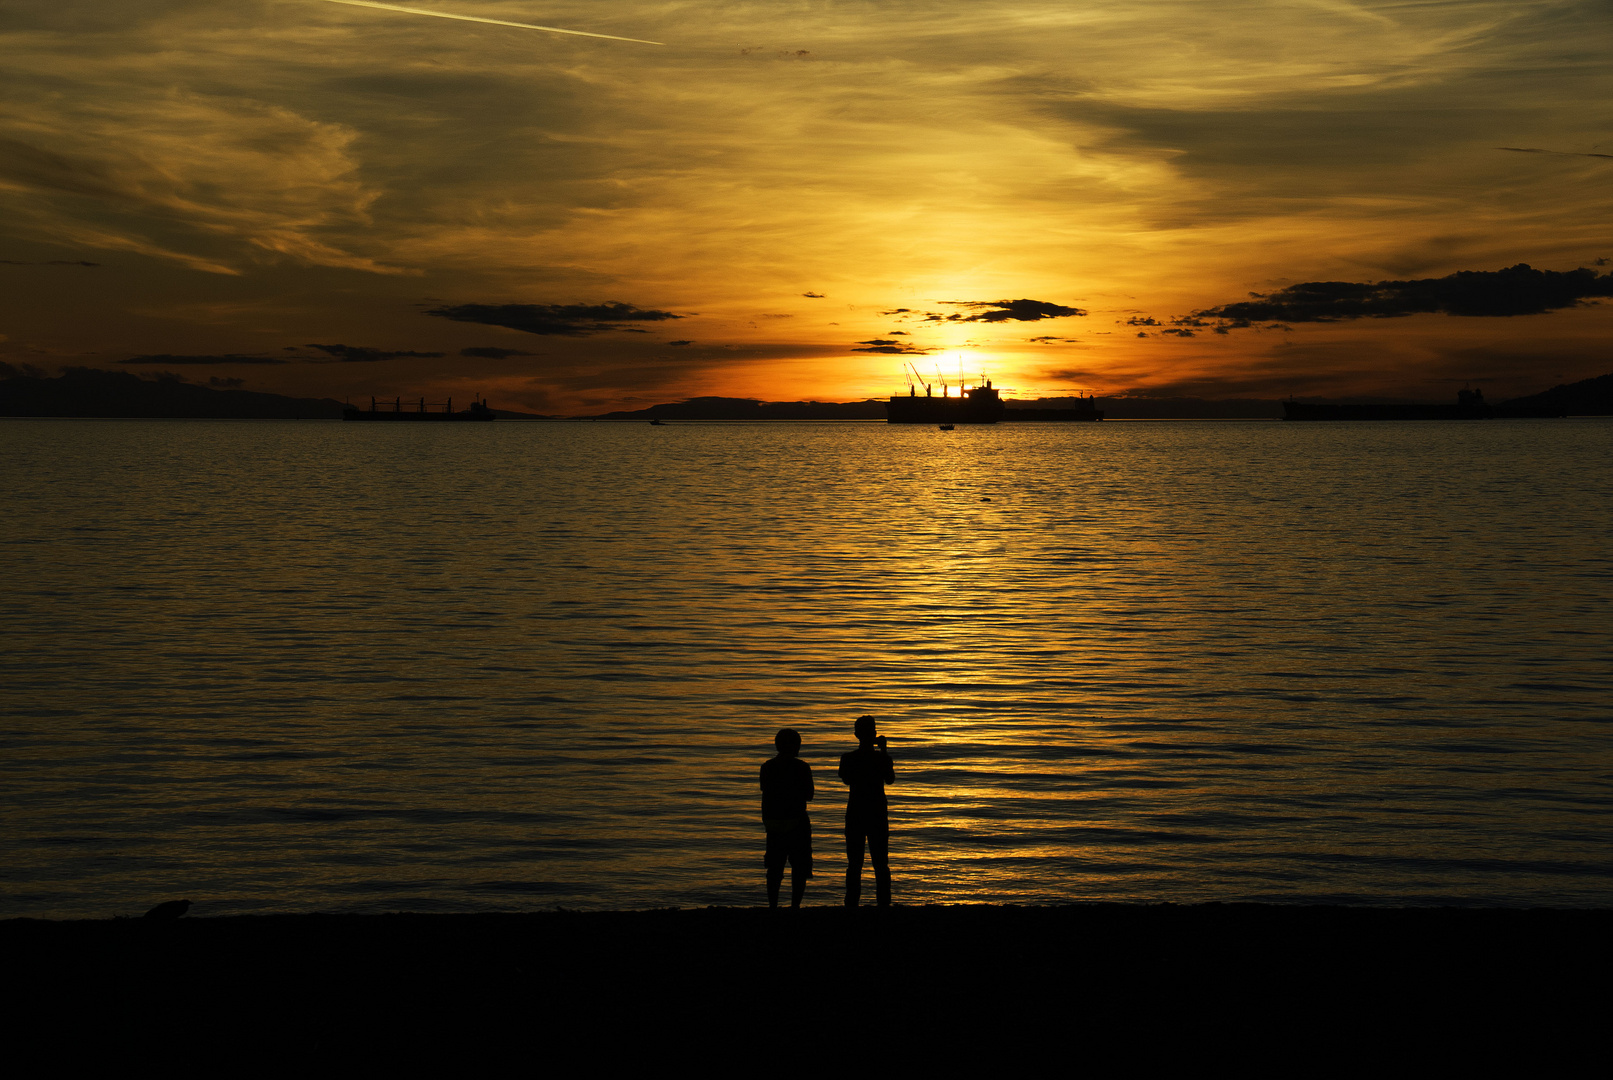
(786, 789)
(866, 770)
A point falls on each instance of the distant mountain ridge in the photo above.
(93, 393)
(722, 408)
(1179, 408)
(1588, 397)
(726, 408)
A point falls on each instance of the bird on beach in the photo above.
(168, 909)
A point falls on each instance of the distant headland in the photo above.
(92, 393)
(95, 393)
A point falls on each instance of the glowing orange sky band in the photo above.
(494, 22)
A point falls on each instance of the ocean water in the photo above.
(296, 666)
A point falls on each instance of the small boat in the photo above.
(947, 427)
(658, 423)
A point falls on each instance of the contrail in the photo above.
(495, 22)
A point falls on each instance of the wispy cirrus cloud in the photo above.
(363, 354)
(489, 352)
(1556, 153)
(196, 169)
(226, 358)
(477, 19)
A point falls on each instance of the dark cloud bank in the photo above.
(888, 345)
(569, 320)
(984, 311)
(993, 311)
(1012, 311)
(1516, 290)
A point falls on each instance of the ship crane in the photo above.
(920, 378)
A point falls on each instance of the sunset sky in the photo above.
(300, 194)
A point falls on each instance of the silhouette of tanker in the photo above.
(421, 410)
(981, 404)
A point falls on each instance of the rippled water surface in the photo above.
(298, 666)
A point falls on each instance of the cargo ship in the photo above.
(982, 404)
(1470, 405)
(1086, 409)
(421, 410)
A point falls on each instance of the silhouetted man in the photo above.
(866, 770)
(786, 789)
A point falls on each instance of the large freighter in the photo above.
(421, 410)
(982, 405)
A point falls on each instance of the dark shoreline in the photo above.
(937, 979)
(85, 393)
(1030, 940)
(1256, 926)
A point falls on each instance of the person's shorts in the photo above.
(789, 841)
(867, 827)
